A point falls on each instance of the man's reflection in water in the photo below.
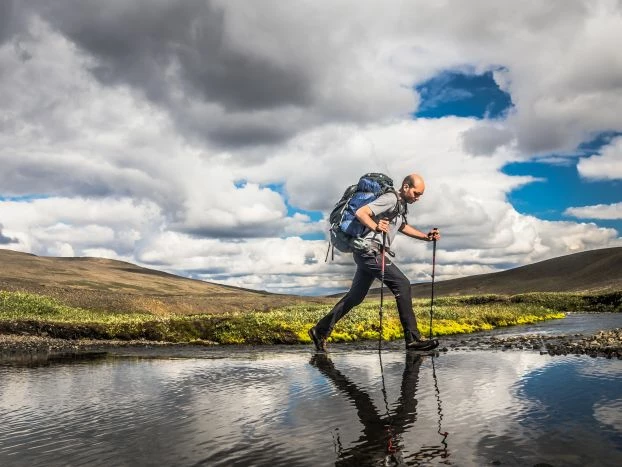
(381, 441)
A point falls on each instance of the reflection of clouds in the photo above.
(265, 406)
(14, 390)
(609, 413)
(238, 406)
(560, 421)
(479, 398)
(593, 368)
(486, 384)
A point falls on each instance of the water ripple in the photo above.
(470, 408)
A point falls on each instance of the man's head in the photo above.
(412, 188)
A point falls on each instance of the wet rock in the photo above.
(606, 344)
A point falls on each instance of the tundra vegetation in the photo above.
(27, 313)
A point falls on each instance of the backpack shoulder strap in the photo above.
(396, 211)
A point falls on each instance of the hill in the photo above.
(117, 286)
(587, 271)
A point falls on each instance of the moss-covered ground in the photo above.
(39, 315)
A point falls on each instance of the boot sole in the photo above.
(429, 345)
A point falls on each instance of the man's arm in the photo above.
(364, 215)
(410, 231)
(376, 209)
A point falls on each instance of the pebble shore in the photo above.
(606, 344)
(25, 349)
(33, 349)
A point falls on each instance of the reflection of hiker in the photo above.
(382, 221)
(380, 441)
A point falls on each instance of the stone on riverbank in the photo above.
(604, 343)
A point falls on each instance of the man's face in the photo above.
(412, 193)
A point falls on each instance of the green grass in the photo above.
(36, 314)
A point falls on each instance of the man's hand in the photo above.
(434, 234)
(383, 226)
(364, 215)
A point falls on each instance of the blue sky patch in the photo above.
(314, 216)
(562, 188)
(22, 198)
(462, 95)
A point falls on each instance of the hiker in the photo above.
(379, 218)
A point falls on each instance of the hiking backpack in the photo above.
(346, 232)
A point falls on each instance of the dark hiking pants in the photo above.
(369, 268)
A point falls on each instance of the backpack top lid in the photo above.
(376, 183)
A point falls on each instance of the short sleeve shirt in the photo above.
(381, 208)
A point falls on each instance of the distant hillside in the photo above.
(117, 286)
(579, 272)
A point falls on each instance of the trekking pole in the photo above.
(439, 410)
(433, 267)
(384, 243)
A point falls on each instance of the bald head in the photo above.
(413, 180)
(412, 188)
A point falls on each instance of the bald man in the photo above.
(385, 215)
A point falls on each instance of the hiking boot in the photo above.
(319, 342)
(421, 344)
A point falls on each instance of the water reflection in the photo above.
(46, 358)
(280, 409)
(567, 406)
(381, 441)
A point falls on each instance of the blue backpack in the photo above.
(346, 232)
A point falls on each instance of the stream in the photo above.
(288, 406)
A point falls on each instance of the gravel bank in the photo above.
(25, 349)
(602, 344)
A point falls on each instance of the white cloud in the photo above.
(79, 225)
(606, 166)
(598, 211)
(193, 148)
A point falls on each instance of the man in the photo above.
(380, 218)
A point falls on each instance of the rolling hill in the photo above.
(117, 286)
(588, 271)
(110, 285)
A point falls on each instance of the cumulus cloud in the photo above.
(235, 73)
(242, 73)
(105, 142)
(200, 136)
(484, 139)
(52, 225)
(598, 211)
(606, 166)
(5, 240)
(289, 265)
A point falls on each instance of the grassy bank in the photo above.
(40, 315)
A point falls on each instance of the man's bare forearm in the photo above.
(410, 231)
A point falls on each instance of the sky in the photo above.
(211, 138)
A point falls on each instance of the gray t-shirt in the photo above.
(382, 208)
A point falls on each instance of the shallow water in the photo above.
(284, 406)
(269, 408)
(573, 323)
